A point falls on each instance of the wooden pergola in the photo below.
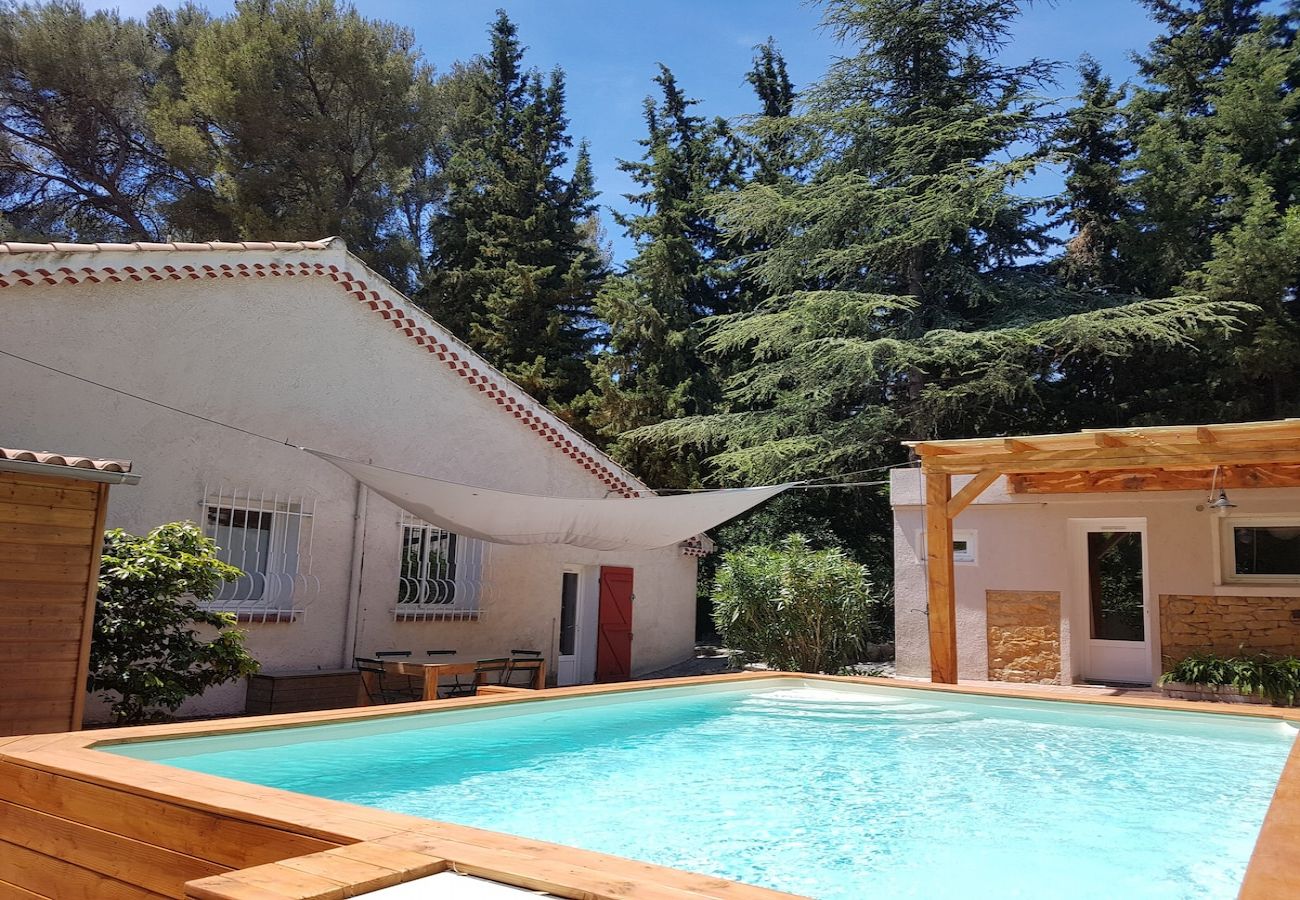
(1165, 458)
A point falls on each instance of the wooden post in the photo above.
(92, 596)
(943, 597)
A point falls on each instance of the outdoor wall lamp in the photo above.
(1220, 504)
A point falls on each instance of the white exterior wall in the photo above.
(1023, 545)
(297, 358)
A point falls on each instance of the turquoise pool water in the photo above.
(834, 793)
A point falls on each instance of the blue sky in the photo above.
(609, 50)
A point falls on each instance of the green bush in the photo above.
(146, 652)
(1274, 677)
(795, 608)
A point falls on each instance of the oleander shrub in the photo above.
(1276, 678)
(793, 607)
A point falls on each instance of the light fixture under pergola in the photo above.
(1104, 460)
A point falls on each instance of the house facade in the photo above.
(299, 344)
(1103, 578)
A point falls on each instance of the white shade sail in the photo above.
(641, 523)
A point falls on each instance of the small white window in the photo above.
(1260, 549)
(268, 538)
(964, 547)
(439, 573)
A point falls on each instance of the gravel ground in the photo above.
(711, 660)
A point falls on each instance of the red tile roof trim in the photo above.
(46, 458)
(512, 401)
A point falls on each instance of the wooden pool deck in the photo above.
(79, 824)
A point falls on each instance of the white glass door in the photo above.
(1114, 600)
(566, 669)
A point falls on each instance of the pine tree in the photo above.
(1175, 215)
(305, 115)
(896, 301)
(78, 159)
(652, 368)
(1095, 205)
(774, 155)
(515, 268)
(1216, 177)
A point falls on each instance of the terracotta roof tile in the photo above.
(45, 457)
(15, 247)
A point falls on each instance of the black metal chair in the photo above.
(379, 687)
(526, 653)
(457, 688)
(403, 687)
(491, 671)
(526, 668)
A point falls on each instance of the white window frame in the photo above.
(969, 557)
(1226, 547)
(436, 590)
(278, 587)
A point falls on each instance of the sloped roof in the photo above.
(70, 264)
(82, 465)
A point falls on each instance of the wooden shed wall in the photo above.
(51, 533)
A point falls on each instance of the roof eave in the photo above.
(78, 473)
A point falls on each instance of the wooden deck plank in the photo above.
(219, 839)
(125, 859)
(37, 872)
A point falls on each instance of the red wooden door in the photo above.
(614, 639)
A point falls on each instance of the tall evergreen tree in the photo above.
(1214, 191)
(652, 368)
(774, 154)
(1095, 204)
(515, 268)
(896, 302)
(1171, 115)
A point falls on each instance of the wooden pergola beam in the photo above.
(942, 606)
(1230, 477)
(968, 494)
(1111, 458)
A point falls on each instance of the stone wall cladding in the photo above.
(1228, 626)
(1024, 636)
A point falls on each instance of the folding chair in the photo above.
(491, 671)
(379, 688)
(457, 688)
(404, 687)
(526, 668)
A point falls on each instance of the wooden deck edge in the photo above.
(379, 838)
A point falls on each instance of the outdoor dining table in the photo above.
(431, 673)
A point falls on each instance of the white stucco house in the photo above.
(1100, 556)
(301, 342)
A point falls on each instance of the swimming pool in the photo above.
(813, 787)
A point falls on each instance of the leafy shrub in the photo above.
(145, 649)
(794, 608)
(1274, 677)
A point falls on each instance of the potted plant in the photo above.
(1258, 678)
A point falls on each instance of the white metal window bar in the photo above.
(440, 574)
(269, 538)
